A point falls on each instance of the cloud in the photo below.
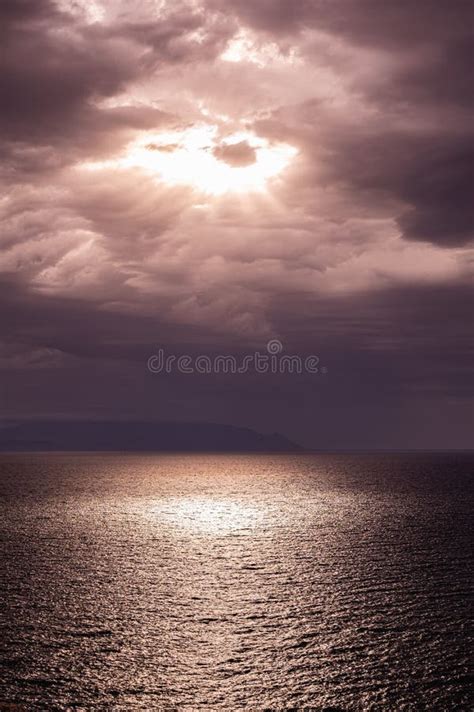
(52, 73)
(408, 137)
(392, 25)
(58, 71)
(236, 154)
(428, 174)
(358, 247)
(165, 147)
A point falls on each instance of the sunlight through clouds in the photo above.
(190, 157)
(227, 171)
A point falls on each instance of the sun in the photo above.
(240, 163)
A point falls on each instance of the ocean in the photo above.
(227, 582)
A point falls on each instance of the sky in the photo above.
(206, 176)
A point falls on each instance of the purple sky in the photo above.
(206, 175)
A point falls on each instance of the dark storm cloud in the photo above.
(441, 192)
(13, 12)
(55, 69)
(51, 71)
(433, 175)
(390, 25)
(423, 177)
(439, 75)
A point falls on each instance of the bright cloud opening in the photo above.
(196, 157)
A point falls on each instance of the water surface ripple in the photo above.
(207, 582)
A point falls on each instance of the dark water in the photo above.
(159, 582)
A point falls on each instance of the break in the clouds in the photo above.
(220, 172)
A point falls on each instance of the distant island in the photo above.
(133, 436)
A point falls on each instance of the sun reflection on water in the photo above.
(209, 515)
